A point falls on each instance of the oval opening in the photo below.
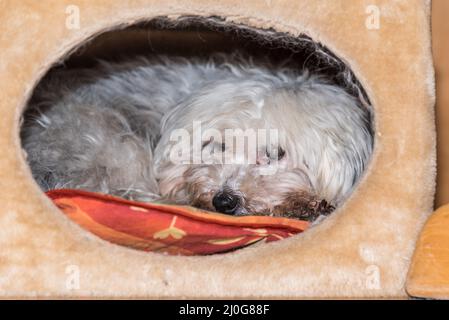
(73, 147)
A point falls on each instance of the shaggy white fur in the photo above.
(114, 129)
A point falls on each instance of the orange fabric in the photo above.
(428, 275)
(169, 229)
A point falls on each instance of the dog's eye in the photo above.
(216, 147)
(206, 143)
(280, 154)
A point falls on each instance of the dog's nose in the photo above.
(225, 202)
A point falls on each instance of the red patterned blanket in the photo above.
(176, 230)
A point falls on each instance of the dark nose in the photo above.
(225, 202)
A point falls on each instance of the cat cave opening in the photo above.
(283, 129)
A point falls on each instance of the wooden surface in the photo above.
(440, 30)
(429, 272)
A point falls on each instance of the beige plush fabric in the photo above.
(363, 250)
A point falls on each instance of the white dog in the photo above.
(130, 130)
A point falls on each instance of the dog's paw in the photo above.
(302, 209)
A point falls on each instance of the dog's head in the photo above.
(263, 148)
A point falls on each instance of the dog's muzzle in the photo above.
(226, 202)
